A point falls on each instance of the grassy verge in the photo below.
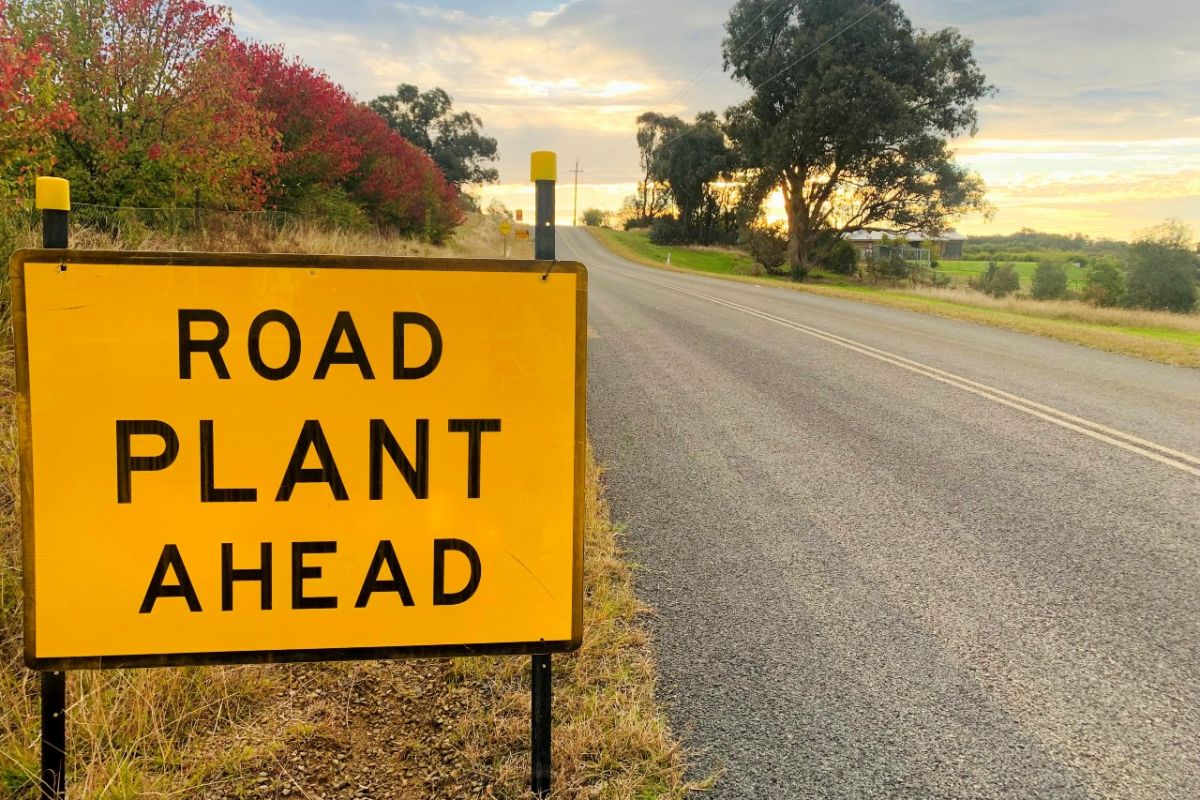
(1155, 336)
(405, 729)
(636, 246)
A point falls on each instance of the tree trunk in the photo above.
(797, 215)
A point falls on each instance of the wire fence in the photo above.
(133, 222)
(126, 221)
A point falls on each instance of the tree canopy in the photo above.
(158, 103)
(692, 162)
(1163, 269)
(453, 139)
(30, 110)
(161, 109)
(653, 129)
(851, 113)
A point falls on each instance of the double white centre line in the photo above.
(1184, 462)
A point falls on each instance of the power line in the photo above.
(754, 32)
(875, 8)
(575, 214)
(696, 78)
(820, 46)
(791, 64)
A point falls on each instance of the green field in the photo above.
(963, 271)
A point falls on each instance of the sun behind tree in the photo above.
(851, 115)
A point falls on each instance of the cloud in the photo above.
(1088, 91)
(540, 19)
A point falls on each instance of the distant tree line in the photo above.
(1159, 271)
(1030, 240)
(157, 103)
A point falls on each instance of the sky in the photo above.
(1094, 126)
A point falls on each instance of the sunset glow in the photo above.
(1093, 127)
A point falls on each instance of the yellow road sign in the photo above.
(523, 234)
(505, 228)
(268, 458)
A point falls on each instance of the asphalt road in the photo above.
(879, 569)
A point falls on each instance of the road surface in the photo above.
(897, 556)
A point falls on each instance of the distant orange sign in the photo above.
(523, 234)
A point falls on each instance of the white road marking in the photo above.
(1185, 462)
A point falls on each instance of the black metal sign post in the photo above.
(53, 198)
(544, 172)
(54, 735)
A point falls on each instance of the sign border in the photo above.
(294, 261)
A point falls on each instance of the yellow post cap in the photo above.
(543, 166)
(53, 194)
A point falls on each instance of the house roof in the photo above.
(875, 236)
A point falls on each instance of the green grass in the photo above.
(727, 261)
(963, 271)
(1166, 334)
(718, 260)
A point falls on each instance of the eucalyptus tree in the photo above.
(852, 114)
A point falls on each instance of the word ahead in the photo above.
(279, 458)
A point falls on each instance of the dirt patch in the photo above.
(372, 730)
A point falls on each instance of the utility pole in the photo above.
(575, 214)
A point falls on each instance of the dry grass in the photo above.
(1155, 336)
(416, 729)
(477, 238)
(1067, 310)
(610, 738)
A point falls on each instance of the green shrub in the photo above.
(668, 231)
(891, 268)
(1000, 280)
(1162, 276)
(332, 206)
(1105, 284)
(767, 245)
(840, 258)
(1049, 281)
(594, 217)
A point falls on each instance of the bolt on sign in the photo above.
(280, 458)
